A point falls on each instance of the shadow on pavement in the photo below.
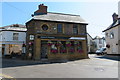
(116, 58)
(17, 63)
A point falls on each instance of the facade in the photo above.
(12, 38)
(112, 36)
(99, 42)
(91, 44)
(56, 36)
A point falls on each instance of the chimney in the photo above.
(115, 17)
(42, 9)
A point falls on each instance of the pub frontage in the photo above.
(55, 36)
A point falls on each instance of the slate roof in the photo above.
(114, 24)
(12, 27)
(60, 17)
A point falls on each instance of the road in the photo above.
(95, 67)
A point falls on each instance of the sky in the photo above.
(98, 15)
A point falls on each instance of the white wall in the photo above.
(112, 42)
(119, 8)
(8, 36)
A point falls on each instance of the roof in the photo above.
(114, 24)
(60, 17)
(14, 27)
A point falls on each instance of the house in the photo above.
(12, 38)
(56, 36)
(112, 35)
(91, 44)
(99, 42)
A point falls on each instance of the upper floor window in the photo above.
(45, 27)
(75, 29)
(31, 37)
(111, 35)
(59, 28)
(15, 36)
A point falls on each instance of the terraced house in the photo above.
(56, 35)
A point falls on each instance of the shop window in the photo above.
(75, 29)
(54, 48)
(15, 36)
(59, 28)
(31, 37)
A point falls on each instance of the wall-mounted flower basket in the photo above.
(49, 43)
(76, 43)
(54, 51)
(68, 44)
(58, 43)
(108, 46)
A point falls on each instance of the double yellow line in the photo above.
(6, 76)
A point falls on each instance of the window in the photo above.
(112, 35)
(100, 41)
(106, 34)
(75, 29)
(59, 28)
(45, 27)
(15, 36)
(31, 37)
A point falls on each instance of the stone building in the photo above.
(56, 35)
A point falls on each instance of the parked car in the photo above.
(101, 51)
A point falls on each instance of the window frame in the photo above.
(15, 36)
(58, 28)
(75, 29)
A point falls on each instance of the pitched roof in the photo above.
(60, 17)
(14, 27)
(114, 24)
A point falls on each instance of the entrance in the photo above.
(44, 50)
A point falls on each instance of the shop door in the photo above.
(44, 51)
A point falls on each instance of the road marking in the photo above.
(6, 76)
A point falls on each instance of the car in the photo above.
(101, 51)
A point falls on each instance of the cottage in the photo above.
(56, 35)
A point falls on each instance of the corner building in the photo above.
(55, 36)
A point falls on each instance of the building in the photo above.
(56, 35)
(99, 42)
(91, 44)
(112, 34)
(12, 38)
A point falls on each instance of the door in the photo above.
(44, 51)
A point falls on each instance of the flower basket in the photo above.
(108, 46)
(58, 43)
(76, 43)
(49, 43)
(68, 44)
(80, 51)
(54, 51)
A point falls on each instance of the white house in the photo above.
(99, 42)
(112, 34)
(12, 38)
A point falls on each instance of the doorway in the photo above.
(44, 50)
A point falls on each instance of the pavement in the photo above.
(95, 67)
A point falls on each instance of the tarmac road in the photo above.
(95, 67)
